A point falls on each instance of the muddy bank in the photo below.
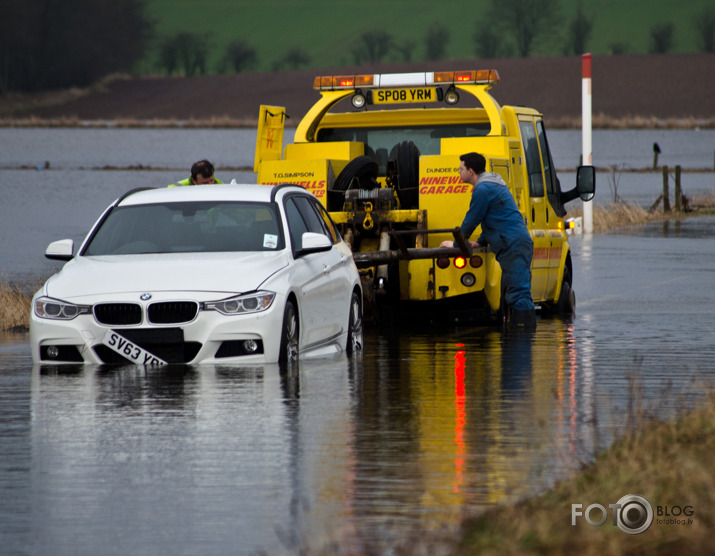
(673, 90)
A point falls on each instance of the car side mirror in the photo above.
(585, 185)
(314, 243)
(60, 250)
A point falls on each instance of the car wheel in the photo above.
(289, 335)
(355, 333)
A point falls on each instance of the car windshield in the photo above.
(381, 142)
(192, 227)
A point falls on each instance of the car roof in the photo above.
(218, 192)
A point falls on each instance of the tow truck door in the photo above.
(269, 143)
(536, 212)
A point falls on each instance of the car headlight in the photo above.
(48, 308)
(242, 304)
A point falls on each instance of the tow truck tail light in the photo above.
(476, 261)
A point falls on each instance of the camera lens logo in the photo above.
(634, 514)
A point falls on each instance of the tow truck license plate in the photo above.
(130, 350)
(394, 96)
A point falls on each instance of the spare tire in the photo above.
(364, 169)
(361, 172)
(407, 159)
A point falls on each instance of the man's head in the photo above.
(470, 166)
(202, 173)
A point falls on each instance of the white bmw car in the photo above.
(234, 274)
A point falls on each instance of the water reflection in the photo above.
(370, 452)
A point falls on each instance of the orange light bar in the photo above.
(444, 77)
(343, 81)
(332, 82)
(364, 80)
(465, 76)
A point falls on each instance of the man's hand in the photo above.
(451, 244)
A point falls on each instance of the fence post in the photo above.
(666, 196)
(678, 193)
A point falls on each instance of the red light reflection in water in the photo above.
(460, 419)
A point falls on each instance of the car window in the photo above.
(192, 227)
(313, 220)
(296, 223)
(327, 221)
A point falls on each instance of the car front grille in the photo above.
(118, 313)
(172, 312)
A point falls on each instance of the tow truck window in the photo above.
(549, 174)
(533, 159)
(379, 141)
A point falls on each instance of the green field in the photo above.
(327, 31)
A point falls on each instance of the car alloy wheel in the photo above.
(355, 333)
(289, 335)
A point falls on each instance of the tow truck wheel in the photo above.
(566, 304)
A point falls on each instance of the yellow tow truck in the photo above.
(386, 169)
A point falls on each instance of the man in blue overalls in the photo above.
(504, 230)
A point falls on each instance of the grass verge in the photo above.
(14, 307)
(669, 463)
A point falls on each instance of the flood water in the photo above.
(370, 455)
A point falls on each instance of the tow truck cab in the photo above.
(387, 171)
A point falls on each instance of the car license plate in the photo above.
(130, 350)
(394, 96)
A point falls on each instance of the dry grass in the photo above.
(623, 213)
(14, 307)
(669, 463)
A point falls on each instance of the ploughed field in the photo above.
(635, 90)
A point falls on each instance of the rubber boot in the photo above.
(523, 319)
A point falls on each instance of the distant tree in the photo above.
(405, 50)
(436, 42)
(579, 32)
(487, 42)
(705, 24)
(661, 36)
(618, 48)
(240, 56)
(48, 44)
(372, 46)
(168, 55)
(294, 58)
(184, 51)
(524, 20)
